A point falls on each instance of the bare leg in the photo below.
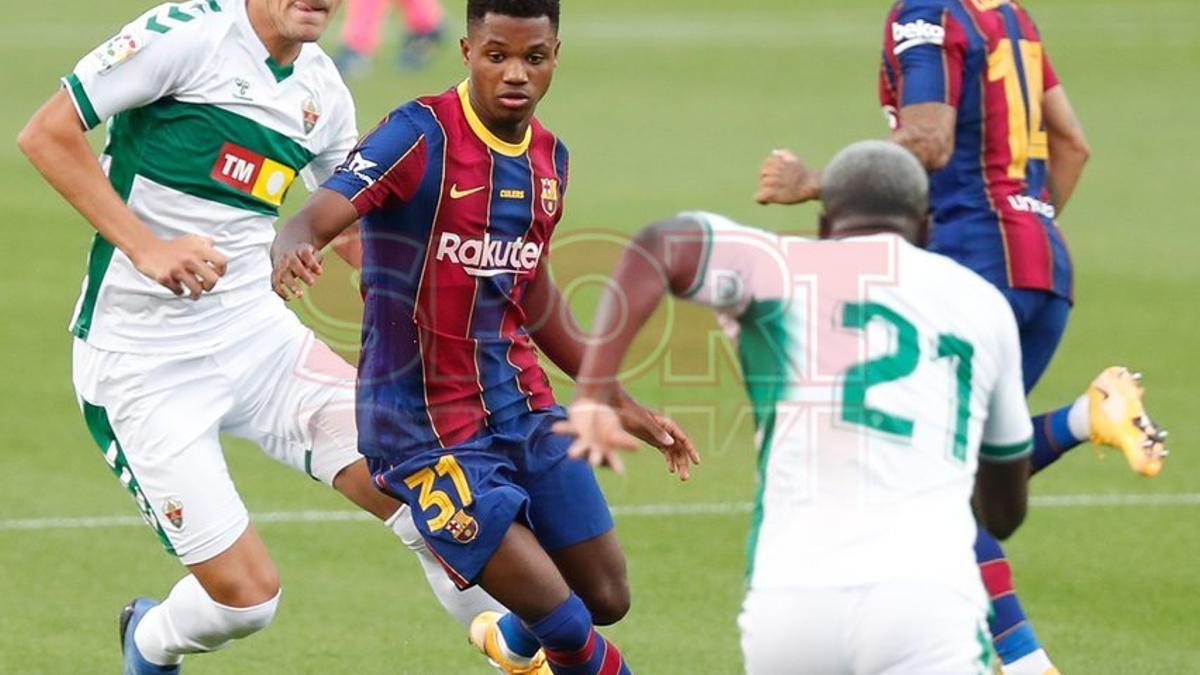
(523, 576)
(354, 482)
(595, 570)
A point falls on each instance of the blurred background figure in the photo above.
(364, 22)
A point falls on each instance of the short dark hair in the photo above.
(875, 178)
(521, 9)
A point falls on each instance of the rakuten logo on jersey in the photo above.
(487, 258)
(915, 33)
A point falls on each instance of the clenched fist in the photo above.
(785, 179)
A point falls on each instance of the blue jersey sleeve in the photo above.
(385, 167)
(924, 48)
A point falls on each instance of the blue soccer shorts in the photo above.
(1041, 321)
(465, 497)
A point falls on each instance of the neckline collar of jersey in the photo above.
(278, 72)
(281, 73)
(489, 139)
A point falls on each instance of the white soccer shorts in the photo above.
(157, 419)
(888, 628)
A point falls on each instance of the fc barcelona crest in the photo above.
(312, 114)
(550, 196)
(462, 527)
(173, 510)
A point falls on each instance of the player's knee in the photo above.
(243, 586)
(609, 602)
(241, 622)
(267, 585)
(259, 586)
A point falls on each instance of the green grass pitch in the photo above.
(666, 106)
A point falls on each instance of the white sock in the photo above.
(1036, 663)
(1077, 419)
(189, 621)
(462, 605)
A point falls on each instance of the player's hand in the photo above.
(598, 434)
(661, 432)
(683, 453)
(603, 429)
(293, 264)
(785, 179)
(190, 264)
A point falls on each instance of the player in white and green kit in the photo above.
(214, 107)
(886, 389)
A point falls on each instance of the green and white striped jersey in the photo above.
(205, 135)
(879, 374)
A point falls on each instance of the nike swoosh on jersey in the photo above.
(455, 193)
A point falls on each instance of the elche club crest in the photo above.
(173, 510)
(550, 196)
(312, 114)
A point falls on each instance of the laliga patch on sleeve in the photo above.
(119, 48)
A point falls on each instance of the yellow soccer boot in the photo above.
(1117, 418)
(485, 635)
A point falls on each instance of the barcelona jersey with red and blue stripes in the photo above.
(455, 223)
(991, 205)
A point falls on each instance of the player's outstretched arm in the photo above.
(55, 144)
(553, 327)
(296, 251)
(926, 129)
(663, 256)
(1069, 149)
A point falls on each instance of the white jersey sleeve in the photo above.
(738, 265)
(343, 138)
(150, 58)
(1007, 431)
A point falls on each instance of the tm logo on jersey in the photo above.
(247, 171)
(916, 33)
(487, 258)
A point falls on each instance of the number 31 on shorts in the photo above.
(428, 497)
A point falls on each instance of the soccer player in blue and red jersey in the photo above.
(968, 88)
(457, 196)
